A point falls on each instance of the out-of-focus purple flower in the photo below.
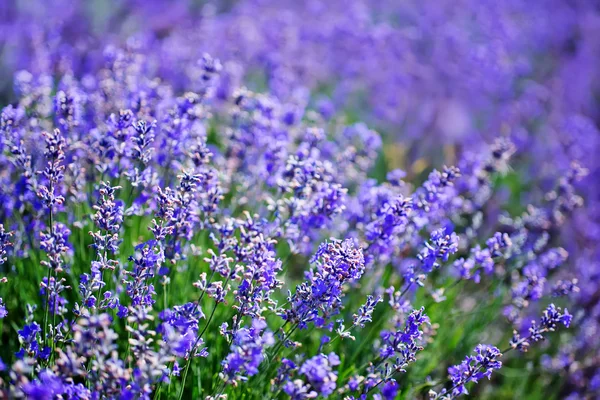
(389, 391)
(48, 386)
(433, 194)
(3, 312)
(549, 321)
(498, 243)
(565, 287)
(438, 250)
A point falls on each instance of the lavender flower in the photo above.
(472, 369)
(390, 390)
(498, 243)
(319, 298)
(108, 218)
(247, 352)
(392, 219)
(259, 277)
(4, 243)
(3, 312)
(183, 321)
(483, 259)
(551, 318)
(55, 244)
(565, 287)
(440, 248)
(29, 338)
(48, 386)
(320, 378)
(402, 345)
(432, 195)
(365, 312)
(146, 262)
(54, 171)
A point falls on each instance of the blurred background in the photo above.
(422, 72)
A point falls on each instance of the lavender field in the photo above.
(277, 199)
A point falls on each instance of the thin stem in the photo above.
(282, 342)
(203, 292)
(165, 302)
(388, 376)
(461, 383)
(276, 350)
(99, 291)
(189, 360)
(196, 306)
(375, 366)
(50, 273)
(47, 305)
(220, 391)
(339, 335)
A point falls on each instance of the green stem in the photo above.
(189, 360)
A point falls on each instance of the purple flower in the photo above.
(142, 140)
(232, 180)
(108, 218)
(183, 322)
(401, 346)
(316, 300)
(389, 391)
(3, 312)
(247, 351)
(54, 171)
(55, 244)
(433, 194)
(284, 372)
(122, 312)
(498, 243)
(549, 321)
(67, 109)
(565, 288)
(47, 387)
(51, 290)
(438, 250)
(483, 259)
(146, 262)
(473, 368)
(320, 378)
(395, 177)
(392, 219)
(29, 338)
(29, 332)
(4, 243)
(365, 312)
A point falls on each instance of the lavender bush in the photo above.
(298, 200)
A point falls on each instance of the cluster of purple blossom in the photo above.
(132, 168)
